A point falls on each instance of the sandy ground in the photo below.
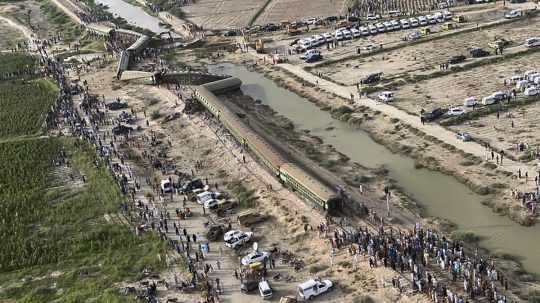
(9, 34)
(195, 139)
(452, 89)
(222, 14)
(425, 57)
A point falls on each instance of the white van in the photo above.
(364, 30)
(470, 101)
(338, 35)
(413, 22)
(347, 34)
(394, 13)
(489, 100)
(310, 53)
(431, 19)
(404, 23)
(388, 25)
(320, 39)
(531, 91)
(532, 42)
(166, 186)
(314, 287)
(305, 44)
(265, 290)
(355, 33)
(386, 96)
(329, 38)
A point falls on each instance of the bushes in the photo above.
(246, 197)
(465, 236)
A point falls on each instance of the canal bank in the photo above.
(439, 194)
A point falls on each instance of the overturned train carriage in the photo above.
(307, 187)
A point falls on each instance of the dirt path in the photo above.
(432, 129)
(25, 31)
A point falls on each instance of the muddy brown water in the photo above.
(134, 15)
(441, 195)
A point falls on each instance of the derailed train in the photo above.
(288, 173)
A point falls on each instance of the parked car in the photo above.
(404, 23)
(464, 137)
(413, 22)
(248, 286)
(470, 101)
(456, 59)
(265, 290)
(373, 29)
(532, 42)
(355, 33)
(191, 185)
(231, 234)
(434, 114)
(372, 17)
(372, 78)
(500, 96)
(531, 91)
(455, 111)
(347, 34)
(512, 14)
(256, 256)
(478, 52)
(489, 100)
(309, 53)
(314, 287)
(314, 58)
(422, 20)
(386, 96)
(339, 35)
(238, 240)
(166, 186)
(371, 47)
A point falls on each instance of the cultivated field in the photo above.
(424, 58)
(291, 10)
(453, 88)
(61, 237)
(222, 14)
(501, 135)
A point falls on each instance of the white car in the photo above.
(166, 186)
(311, 21)
(447, 15)
(355, 33)
(372, 29)
(231, 234)
(256, 256)
(388, 25)
(532, 42)
(364, 30)
(396, 25)
(422, 20)
(512, 14)
(380, 27)
(413, 22)
(404, 23)
(314, 287)
(431, 19)
(338, 35)
(347, 34)
(489, 100)
(371, 47)
(386, 96)
(211, 204)
(372, 17)
(470, 101)
(239, 240)
(455, 111)
(531, 91)
(329, 38)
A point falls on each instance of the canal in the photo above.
(441, 195)
(134, 15)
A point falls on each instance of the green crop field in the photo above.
(23, 106)
(62, 239)
(17, 65)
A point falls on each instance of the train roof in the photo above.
(139, 44)
(222, 85)
(128, 32)
(308, 181)
(265, 148)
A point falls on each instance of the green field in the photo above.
(17, 65)
(63, 240)
(23, 106)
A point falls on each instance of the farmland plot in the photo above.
(222, 14)
(425, 57)
(453, 88)
(290, 10)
